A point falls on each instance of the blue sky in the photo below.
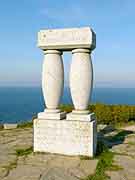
(112, 20)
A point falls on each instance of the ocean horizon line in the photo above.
(36, 86)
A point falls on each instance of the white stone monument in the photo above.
(54, 130)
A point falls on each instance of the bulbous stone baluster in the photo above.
(81, 83)
(52, 84)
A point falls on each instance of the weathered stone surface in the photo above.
(52, 82)
(128, 171)
(116, 175)
(80, 117)
(81, 79)
(6, 159)
(124, 149)
(123, 145)
(64, 161)
(84, 168)
(3, 172)
(40, 166)
(57, 174)
(24, 172)
(88, 166)
(56, 116)
(67, 39)
(129, 128)
(35, 166)
(65, 137)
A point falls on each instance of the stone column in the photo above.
(81, 84)
(52, 84)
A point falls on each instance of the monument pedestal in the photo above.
(65, 137)
(54, 132)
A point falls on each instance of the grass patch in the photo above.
(105, 163)
(85, 157)
(24, 152)
(28, 124)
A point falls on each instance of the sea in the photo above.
(20, 104)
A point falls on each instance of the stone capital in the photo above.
(82, 50)
(52, 52)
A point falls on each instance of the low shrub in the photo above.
(105, 114)
(108, 114)
(25, 125)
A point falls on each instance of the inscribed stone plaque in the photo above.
(65, 137)
(67, 39)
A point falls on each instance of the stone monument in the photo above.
(54, 130)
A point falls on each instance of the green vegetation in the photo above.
(25, 125)
(105, 163)
(85, 157)
(24, 152)
(109, 114)
(66, 107)
(123, 124)
(28, 124)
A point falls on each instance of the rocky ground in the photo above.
(18, 162)
(122, 144)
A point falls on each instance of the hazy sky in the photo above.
(112, 20)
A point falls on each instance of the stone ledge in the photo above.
(67, 39)
(52, 116)
(80, 117)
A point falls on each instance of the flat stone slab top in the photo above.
(67, 39)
